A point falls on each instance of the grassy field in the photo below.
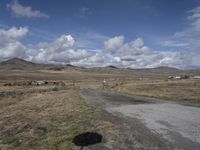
(48, 117)
(175, 90)
(47, 120)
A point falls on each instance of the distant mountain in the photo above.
(17, 64)
(111, 67)
(69, 65)
(17, 61)
(162, 68)
(20, 64)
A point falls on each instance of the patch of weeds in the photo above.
(11, 140)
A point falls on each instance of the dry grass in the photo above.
(107, 127)
(43, 121)
(50, 119)
(180, 90)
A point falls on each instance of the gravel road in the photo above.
(146, 123)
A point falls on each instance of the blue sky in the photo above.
(138, 33)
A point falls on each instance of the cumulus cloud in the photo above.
(99, 59)
(134, 54)
(153, 59)
(61, 50)
(172, 59)
(13, 34)
(126, 51)
(132, 49)
(114, 43)
(10, 45)
(18, 10)
(64, 49)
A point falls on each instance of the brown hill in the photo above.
(20, 64)
(17, 64)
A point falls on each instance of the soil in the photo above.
(145, 123)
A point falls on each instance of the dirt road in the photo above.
(146, 123)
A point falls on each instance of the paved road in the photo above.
(146, 123)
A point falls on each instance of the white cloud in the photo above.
(10, 45)
(135, 54)
(114, 43)
(154, 59)
(174, 44)
(13, 34)
(125, 51)
(172, 59)
(99, 59)
(118, 48)
(64, 41)
(195, 13)
(18, 10)
(61, 50)
(188, 38)
(132, 49)
(64, 50)
(137, 43)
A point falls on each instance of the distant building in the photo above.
(196, 77)
(179, 77)
(38, 83)
(171, 77)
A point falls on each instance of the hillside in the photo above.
(20, 64)
(23, 65)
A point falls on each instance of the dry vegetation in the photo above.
(48, 117)
(43, 120)
(177, 90)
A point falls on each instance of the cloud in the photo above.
(125, 51)
(195, 13)
(188, 38)
(174, 44)
(114, 43)
(18, 10)
(10, 45)
(99, 59)
(134, 54)
(171, 59)
(64, 49)
(13, 34)
(132, 49)
(153, 59)
(61, 50)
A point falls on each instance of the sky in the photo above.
(97, 33)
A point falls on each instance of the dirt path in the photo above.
(146, 123)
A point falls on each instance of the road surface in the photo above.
(146, 123)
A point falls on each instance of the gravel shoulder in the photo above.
(145, 123)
